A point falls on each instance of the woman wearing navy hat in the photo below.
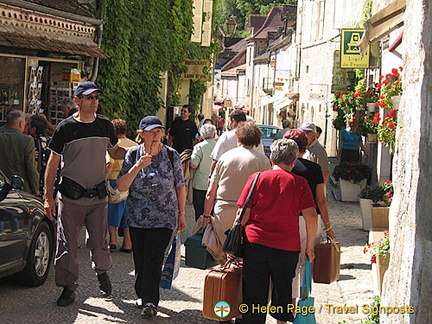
(155, 207)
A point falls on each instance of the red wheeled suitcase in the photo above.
(223, 285)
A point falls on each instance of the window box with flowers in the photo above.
(352, 179)
(380, 256)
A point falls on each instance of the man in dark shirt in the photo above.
(286, 124)
(183, 131)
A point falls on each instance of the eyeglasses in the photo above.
(91, 98)
(185, 111)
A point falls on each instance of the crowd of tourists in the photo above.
(284, 219)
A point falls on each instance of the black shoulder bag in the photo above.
(234, 243)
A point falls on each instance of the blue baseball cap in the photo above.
(86, 88)
(150, 122)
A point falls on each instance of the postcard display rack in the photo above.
(58, 92)
(35, 89)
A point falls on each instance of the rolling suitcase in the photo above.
(223, 285)
(327, 262)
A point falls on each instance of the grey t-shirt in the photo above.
(83, 148)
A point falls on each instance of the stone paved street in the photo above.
(183, 304)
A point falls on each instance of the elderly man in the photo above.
(315, 151)
(82, 142)
(18, 151)
(68, 107)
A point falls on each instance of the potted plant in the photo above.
(380, 256)
(352, 179)
(387, 129)
(368, 196)
(371, 126)
(381, 206)
(366, 95)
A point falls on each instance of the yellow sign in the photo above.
(350, 50)
(197, 70)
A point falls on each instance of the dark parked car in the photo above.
(26, 234)
(268, 134)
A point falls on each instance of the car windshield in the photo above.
(269, 132)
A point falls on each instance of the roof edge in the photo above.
(36, 7)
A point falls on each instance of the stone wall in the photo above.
(409, 278)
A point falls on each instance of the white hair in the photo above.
(208, 130)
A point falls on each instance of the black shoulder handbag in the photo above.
(234, 243)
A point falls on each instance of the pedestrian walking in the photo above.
(18, 151)
(183, 131)
(229, 176)
(315, 151)
(201, 161)
(81, 141)
(116, 218)
(312, 173)
(154, 209)
(271, 223)
(38, 130)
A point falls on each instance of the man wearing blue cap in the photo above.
(81, 141)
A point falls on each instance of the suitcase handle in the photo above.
(233, 263)
(332, 241)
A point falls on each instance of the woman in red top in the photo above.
(271, 224)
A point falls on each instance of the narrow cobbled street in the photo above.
(183, 304)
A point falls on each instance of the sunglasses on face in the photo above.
(184, 111)
(91, 97)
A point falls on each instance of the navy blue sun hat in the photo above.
(150, 122)
(86, 88)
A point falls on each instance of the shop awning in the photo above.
(26, 38)
(271, 99)
(219, 99)
(383, 23)
(216, 107)
(282, 104)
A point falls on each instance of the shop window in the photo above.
(11, 84)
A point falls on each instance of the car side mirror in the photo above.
(17, 183)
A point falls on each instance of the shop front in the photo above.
(44, 54)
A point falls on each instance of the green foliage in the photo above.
(114, 72)
(144, 40)
(373, 317)
(242, 9)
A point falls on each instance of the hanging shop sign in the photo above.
(350, 50)
(197, 70)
